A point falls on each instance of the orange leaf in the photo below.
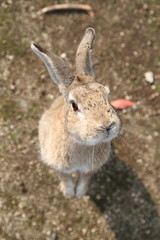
(122, 103)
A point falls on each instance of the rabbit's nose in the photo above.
(111, 126)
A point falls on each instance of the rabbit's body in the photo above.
(75, 133)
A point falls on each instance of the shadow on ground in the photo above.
(125, 203)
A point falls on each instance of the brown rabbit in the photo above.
(75, 133)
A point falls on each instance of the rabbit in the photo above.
(75, 133)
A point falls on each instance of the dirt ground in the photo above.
(124, 198)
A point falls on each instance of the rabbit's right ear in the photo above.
(57, 68)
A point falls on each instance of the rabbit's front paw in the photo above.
(68, 191)
(81, 190)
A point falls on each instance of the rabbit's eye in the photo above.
(74, 106)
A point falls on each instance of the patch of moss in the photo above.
(8, 109)
(33, 111)
(137, 81)
(10, 41)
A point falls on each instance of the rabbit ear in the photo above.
(57, 69)
(83, 55)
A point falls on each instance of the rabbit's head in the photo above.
(90, 119)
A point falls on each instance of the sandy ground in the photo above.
(123, 202)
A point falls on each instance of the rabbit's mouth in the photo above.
(109, 137)
(96, 135)
(112, 133)
(90, 141)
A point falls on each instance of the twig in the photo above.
(59, 7)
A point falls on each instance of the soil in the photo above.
(123, 202)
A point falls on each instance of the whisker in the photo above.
(102, 154)
(92, 159)
(123, 140)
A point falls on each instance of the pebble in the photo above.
(10, 57)
(34, 223)
(153, 87)
(156, 134)
(135, 53)
(93, 230)
(10, 227)
(139, 160)
(84, 231)
(63, 55)
(54, 236)
(50, 96)
(98, 197)
(70, 229)
(121, 34)
(86, 198)
(123, 45)
(149, 43)
(43, 76)
(149, 77)
(48, 233)
(128, 97)
(145, 6)
(154, 96)
(23, 103)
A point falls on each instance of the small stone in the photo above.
(50, 96)
(23, 104)
(149, 77)
(86, 198)
(153, 87)
(63, 55)
(156, 134)
(121, 34)
(150, 21)
(123, 45)
(135, 53)
(11, 127)
(139, 160)
(143, 221)
(148, 232)
(45, 36)
(10, 57)
(43, 76)
(149, 43)
(98, 197)
(151, 12)
(4, 5)
(84, 231)
(154, 96)
(145, 6)
(12, 87)
(10, 227)
(93, 230)
(149, 137)
(34, 223)
(99, 221)
(54, 236)
(48, 233)
(128, 97)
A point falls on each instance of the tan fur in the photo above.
(77, 140)
(61, 151)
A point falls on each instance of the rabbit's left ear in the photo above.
(83, 55)
(56, 67)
